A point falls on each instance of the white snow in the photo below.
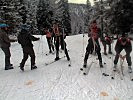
(58, 81)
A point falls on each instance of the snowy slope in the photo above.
(58, 81)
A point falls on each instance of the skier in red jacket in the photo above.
(123, 42)
(93, 43)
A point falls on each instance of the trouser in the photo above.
(50, 44)
(128, 50)
(105, 46)
(28, 51)
(57, 44)
(7, 56)
(90, 48)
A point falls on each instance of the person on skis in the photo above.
(59, 40)
(107, 41)
(5, 43)
(49, 40)
(123, 42)
(25, 39)
(93, 43)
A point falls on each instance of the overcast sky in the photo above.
(80, 1)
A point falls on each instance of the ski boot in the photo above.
(33, 67)
(110, 52)
(57, 58)
(129, 69)
(114, 68)
(8, 67)
(101, 65)
(85, 64)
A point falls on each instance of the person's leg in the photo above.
(110, 52)
(49, 44)
(98, 50)
(57, 47)
(89, 50)
(7, 58)
(104, 45)
(66, 51)
(32, 55)
(128, 58)
(25, 57)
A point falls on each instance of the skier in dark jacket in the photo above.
(59, 40)
(93, 44)
(5, 45)
(123, 42)
(25, 39)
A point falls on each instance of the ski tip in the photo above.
(69, 65)
(104, 63)
(81, 69)
(84, 73)
(112, 77)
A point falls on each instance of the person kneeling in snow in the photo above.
(123, 43)
(93, 44)
(25, 39)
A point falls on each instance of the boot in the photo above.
(68, 58)
(101, 65)
(33, 67)
(57, 58)
(110, 52)
(129, 69)
(115, 67)
(105, 53)
(8, 67)
(85, 64)
(21, 67)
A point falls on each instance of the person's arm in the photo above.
(6, 38)
(33, 38)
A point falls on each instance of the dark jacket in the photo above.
(25, 39)
(4, 40)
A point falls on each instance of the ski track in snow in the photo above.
(60, 82)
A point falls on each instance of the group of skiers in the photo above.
(25, 39)
(56, 33)
(123, 42)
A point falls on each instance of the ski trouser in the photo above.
(127, 49)
(105, 46)
(90, 48)
(7, 56)
(28, 51)
(57, 44)
(50, 44)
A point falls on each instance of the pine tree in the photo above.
(9, 13)
(44, 14)
(66, 18)
(123, 15)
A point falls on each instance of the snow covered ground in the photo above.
(58, 81)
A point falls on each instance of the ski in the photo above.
(86, 69)
(130, 76)
(69, 63)
(114, 74)
(103, 71)
(54, 61)
(47, 54)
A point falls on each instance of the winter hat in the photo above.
(3, 25)
(25, 27)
